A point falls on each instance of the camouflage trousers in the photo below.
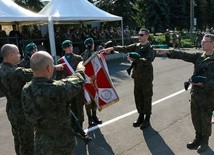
(201, 113)
(143, 97)
(77, 104)
(49, 142)
(23, 132)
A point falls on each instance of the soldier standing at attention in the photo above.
(91, 109)
(71, 60)
(30, 49)
(46, 106)
(202, 91)
(12, 80)
(143, 76)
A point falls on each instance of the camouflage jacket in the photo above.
(143, 69)
(13, 79)
(73, 60)
(25, 63)
(203, 66)
(45, 102)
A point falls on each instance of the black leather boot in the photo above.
(195, 143)
(95, 118)
(146, 122)
(91, 121)
(204, 144)
(139, 120)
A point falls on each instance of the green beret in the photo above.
(66, 43)
(134, 55)
(198, 79)
(89, 41)
(30, 47)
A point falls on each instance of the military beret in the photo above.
(66, 43)
(134, 55)
(30, 47)
(198, 79)
(89, 41)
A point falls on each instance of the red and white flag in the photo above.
(98, 83)
(71, 71)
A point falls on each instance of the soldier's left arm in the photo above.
(150, 56)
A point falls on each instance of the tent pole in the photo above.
(52, 38)
(122, 32)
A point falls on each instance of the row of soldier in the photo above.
(15, 36)
(77, 35)
(44, 105)
(22, 129)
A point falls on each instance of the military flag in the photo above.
(98, 83)
(71, 71)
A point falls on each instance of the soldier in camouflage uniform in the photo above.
(91, 109)
(202, 92)
(73, 61)
(13, 79)
(30, 49)
(142, 74)
(46, 106)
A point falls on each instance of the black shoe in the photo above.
(137, 124)
(139, 121)
(91, 122)
(193, 145)
(97, 120)
(145, 125)
(202, 148)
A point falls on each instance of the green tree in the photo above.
(179, 14)
(122, 8)
(140, 14)
(200, 11)
(33, 5)
(210, 13)
(157, 15)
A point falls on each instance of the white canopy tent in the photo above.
(76, 11)
(11, 12)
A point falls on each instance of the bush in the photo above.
(185, 40)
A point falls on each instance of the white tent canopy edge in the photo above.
(73, 10)
(12, 12)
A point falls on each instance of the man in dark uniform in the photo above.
(30, 49)
(91, 109)
(3, 36)
(46, 106)
(72, 60)
(143, 76)
(202, 91)
(12, 81)
(15, 36)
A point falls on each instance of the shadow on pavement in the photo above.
(155, 142)
(208, 152)
(98, 145)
